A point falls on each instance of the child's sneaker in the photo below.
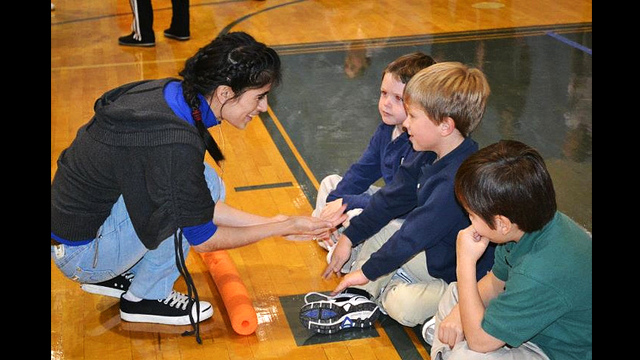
(174, 310)
(428, 330)
(332, 314)
(113, 287)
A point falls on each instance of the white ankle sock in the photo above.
(129, 296)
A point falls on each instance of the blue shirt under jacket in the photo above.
(381, 159)
(424, 190)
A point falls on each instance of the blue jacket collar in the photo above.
(174, 97)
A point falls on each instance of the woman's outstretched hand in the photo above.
(309, 228)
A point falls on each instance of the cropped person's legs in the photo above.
(142, 25)
(179, 28)
(327, 185)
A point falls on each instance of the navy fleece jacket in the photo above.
(424, 190)
(381, 159)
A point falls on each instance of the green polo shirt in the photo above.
(548, 291)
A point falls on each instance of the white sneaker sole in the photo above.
(168, 320)
(328, 317)
(101, 290)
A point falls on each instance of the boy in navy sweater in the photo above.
(387, 149)
(405, 265)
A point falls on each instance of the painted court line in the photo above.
(569, 42)
(264, 186)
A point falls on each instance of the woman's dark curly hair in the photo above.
(234, 59)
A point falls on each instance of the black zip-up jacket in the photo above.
(137, 147)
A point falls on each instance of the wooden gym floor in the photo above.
(537, 56)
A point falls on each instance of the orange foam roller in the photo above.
(232, 290)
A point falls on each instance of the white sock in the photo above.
(129, 296)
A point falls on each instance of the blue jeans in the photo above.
(118, 249)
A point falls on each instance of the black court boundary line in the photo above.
(424, 39)
(305, 183)
(263, 186)
(401, 341)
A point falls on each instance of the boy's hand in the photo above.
(470, 245)
(336, 216)
(351, 279)
(450, 330)
(341, 254)
(306, 228)
(332, 209)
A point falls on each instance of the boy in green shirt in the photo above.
(536, 303)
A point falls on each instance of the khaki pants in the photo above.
(410, 295)
(327, 185)
(461, 351)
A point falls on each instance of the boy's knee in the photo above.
(329, 183)
(329, 179)
(401, 307)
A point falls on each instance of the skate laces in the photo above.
(176, 300)
(192, 293)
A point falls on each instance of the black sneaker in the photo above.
(174, 310)
(332, 314)
(176, 36)
(130, 41)
(113, 287)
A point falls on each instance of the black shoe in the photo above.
(176, 36)
(130, 41)
(328, 315)
(113, 287)
(174, 310)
